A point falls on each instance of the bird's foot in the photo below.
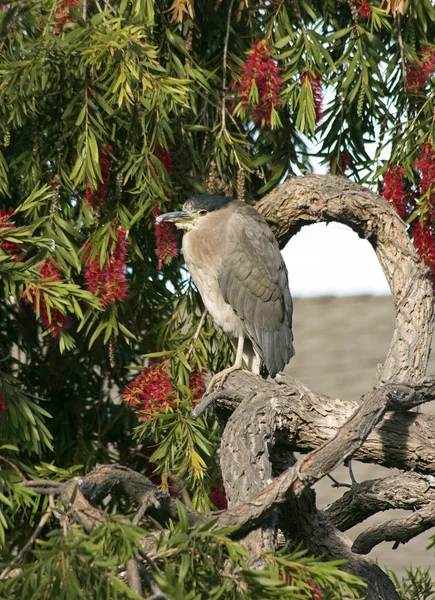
(219, 379)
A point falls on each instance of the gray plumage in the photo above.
(235, 262)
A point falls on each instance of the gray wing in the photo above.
(253, 280)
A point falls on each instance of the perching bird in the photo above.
(235, 262)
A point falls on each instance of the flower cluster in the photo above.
(108, 282)
(423, 228)
(419, 73)
(261, 71)
(50, 317)
(425, 164)
(316, 593)
(5, 217)
(363, 8)
(218, 496)
(423, 235)
(341, 163)
(166, 240)
(63, 14)
(166, 158)
(397, 190)
(394, 190)
(151, 392)
(97, 198)
(196, 384)
(316, 87)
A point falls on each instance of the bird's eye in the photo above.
(202, 213)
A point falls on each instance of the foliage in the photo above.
(417, 584)
(111, 112)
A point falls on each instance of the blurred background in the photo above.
(343, 324)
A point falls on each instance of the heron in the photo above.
(235, 262)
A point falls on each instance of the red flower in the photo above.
(2, 404)
(342, 163)
(197, 384)
(63, 14)
(364, 8)
(151, 392)
(97, 198)
(218, 496)
(316, 593)
(166, 158)
(166, 240)
(262, 71)
(50, 318)
(394, 189)
(425, 164)
(316, 86)
(110, 282)
(424, 240)
(419, 72)
(5, 216)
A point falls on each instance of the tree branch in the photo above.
(396, 530)
(408, 491)
(324, 198)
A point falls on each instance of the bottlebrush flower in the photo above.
(364, 8)
(63, 14)
(218, 496)
(262, 71)
(151, 392)
(5, 217)
(166, 158)
(341, 164)
(316, 87)
(2, 404)
(52, 318)
(425, 164)
(109, 282)
(196, 384)
(394, 189)
(419, 73)
(423, 234)
(317, 594)
(166, 240)
(97, 198)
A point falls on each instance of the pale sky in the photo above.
(331, 260)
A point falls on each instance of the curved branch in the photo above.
(316, 198)
(408, 491)
(396, 530)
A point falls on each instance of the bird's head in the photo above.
(194, 210)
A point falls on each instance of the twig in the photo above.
(14, 466)
(197, 333)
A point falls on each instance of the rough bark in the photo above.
(315, 198)
(408, 491)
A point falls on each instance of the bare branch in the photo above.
(408, 491)
(396, 530)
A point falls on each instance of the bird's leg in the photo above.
(220, 377)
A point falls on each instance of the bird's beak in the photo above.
(175, 217)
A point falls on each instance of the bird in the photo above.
(234, 260)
